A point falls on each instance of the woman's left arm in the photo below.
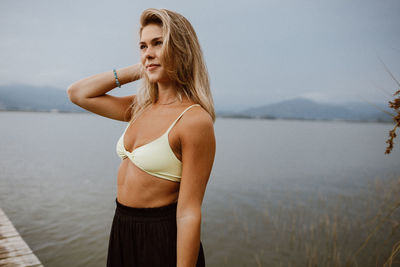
(198, 151)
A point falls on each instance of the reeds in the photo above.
(395, 104)
(357, 227)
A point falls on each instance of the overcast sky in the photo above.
(257, 52)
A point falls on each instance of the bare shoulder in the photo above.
(197, 128)
(196, 118)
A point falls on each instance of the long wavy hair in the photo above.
(182, 59)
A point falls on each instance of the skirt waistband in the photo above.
(168, 211)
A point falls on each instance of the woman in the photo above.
(167, 148)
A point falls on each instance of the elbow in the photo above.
(189, 214)
(72, 92)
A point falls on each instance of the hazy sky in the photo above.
(257, 52)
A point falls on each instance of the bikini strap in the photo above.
(172, 125)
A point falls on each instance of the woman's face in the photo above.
(150, 46)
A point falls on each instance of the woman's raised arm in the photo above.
(90, 93)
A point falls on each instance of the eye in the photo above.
(141, 46)
(158, 42)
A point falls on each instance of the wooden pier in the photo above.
(13, 249)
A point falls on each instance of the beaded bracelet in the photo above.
(116, 78)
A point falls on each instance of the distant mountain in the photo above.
(306, 109)
(30, 98)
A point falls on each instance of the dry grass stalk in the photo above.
(395, 104)
(395, 251)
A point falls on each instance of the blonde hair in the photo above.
(181, 57)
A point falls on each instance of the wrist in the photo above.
(136, 71)
(117, 83)
(127, 74)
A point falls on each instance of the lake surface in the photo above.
(281, 192)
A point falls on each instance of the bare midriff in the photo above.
(137, 188)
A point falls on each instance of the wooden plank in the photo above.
(13, 249)
(25, 260)
(7, 231)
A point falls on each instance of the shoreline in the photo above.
(55, 111)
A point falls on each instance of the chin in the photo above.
(153, 79)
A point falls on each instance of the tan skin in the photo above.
(136, 188)
(191, 139)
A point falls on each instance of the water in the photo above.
(271, 181)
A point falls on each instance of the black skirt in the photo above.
(145, 237)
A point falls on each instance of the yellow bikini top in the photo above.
(156, 157)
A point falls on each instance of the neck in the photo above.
(167, 93)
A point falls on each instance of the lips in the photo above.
(152, 65)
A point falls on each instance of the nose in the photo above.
(149, 54)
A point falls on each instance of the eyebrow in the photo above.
(152, 40)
